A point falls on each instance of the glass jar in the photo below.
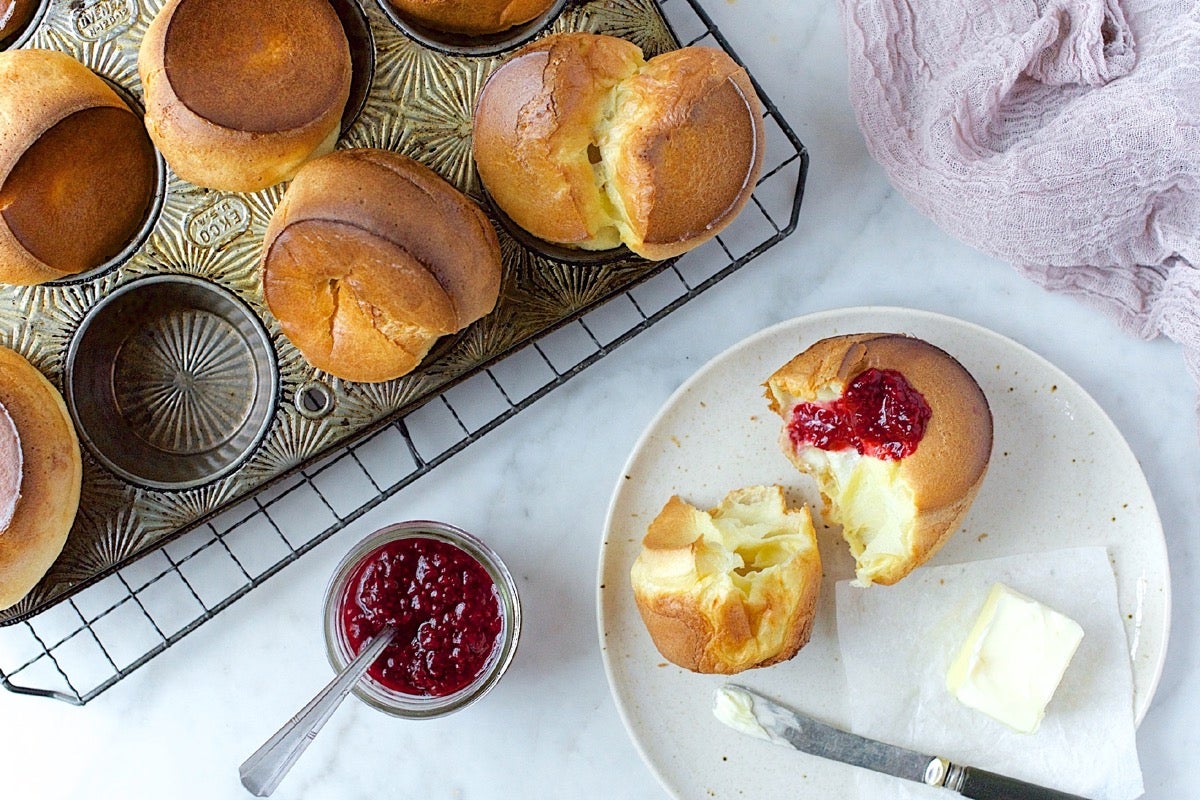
(416, 705)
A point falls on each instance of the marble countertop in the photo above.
(538, 489)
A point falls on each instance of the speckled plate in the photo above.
(1061, 475)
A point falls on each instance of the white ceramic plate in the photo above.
(1061, 475)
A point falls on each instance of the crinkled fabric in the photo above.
(1062, 136)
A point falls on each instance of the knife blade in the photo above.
(754, 714)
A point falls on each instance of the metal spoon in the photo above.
(263, 771)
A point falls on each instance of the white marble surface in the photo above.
(538, 487)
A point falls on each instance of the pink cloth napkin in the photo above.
(1062, 136)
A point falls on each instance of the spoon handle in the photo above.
(263, 771)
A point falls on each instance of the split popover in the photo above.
(470, 17)
(897, 435)
(77, 171)
(40, 476)
(370, 258)
(584, 143)
(732, 588)
(240, 93)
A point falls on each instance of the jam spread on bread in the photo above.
(443, 604)
(879, 414)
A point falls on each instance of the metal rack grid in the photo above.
(83, 646)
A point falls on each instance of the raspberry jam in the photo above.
(879, 414)
(444, 605)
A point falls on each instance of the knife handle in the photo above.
(979, 784)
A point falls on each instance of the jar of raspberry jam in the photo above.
(454, 606)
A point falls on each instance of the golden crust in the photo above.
(241, 132)
(406, 203)
(582, 142)
(38, 90)
(51, 475)
(534, 122)
(370, 257)
(333, 288)
(471, 17)
(690, 120)
(714, 596)
(948, 467)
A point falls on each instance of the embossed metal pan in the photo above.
(186, 395)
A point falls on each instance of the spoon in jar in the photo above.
(263, 771)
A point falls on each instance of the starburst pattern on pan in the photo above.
(635, 20)
(446, 361)
(476, 345)
(148, 11)
(367, 403)
(293, 369)
(188, 367)
(211, 235)
(17, 306)
(547, 290)
(439, 119)
(419, 102)
(112, 540)
(291, 441)
(170, 511)
(263, 204)
(112, 59)
(66, 306)
(39, 321)
(378, 126)
(402, 67)
(180, 200)
(107, 532)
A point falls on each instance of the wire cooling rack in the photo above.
(86, 644)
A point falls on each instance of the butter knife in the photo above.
(751, 713)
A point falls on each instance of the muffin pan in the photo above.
(187, 397)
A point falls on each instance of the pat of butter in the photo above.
(1013, 659)
(735, 708)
